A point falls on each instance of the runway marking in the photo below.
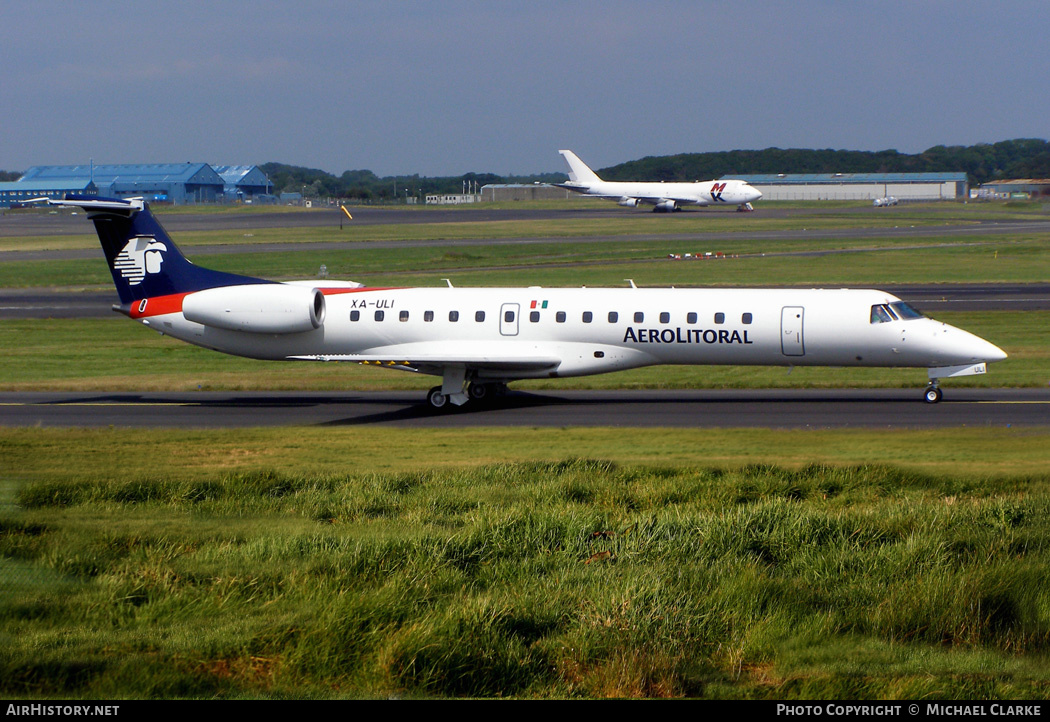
(1007, 402)
(100, 403)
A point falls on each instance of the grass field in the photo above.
(531, 563)
(313, 564)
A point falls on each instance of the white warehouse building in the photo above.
(857, 186)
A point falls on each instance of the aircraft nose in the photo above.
(752, 194)
(974, 348)
(991, 352)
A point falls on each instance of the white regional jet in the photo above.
(661, 196)
(479, 339)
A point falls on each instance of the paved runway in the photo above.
(43, 223)
(810, 409)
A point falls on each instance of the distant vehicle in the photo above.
(886, 201)
(661, 196)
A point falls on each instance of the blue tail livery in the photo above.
(143, 259)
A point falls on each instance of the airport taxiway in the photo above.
(763, 408)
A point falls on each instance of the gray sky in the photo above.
(444, 88)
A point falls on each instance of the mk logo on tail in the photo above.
(141, 255)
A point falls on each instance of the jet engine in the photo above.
(629, 202)
(665, 207)
(257, 308)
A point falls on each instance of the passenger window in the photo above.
(508, 316)
(479, 316)
(587, 316)
(428, 316)
(453, 316)
(534, 316)
(639, 317)
(403, 316)
(746, 318)
(665, 317)
(690, 317)
(380, 315)
(613, 317)
(560, 317)
(355, 315)
(720, 317)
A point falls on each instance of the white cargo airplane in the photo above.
(661, 196)
(479, 339)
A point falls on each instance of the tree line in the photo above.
(367, 186)
(984, 162)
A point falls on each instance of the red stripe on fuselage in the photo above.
(157, 306)
(161, 305)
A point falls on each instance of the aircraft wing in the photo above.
(677, 198)
(417, 357)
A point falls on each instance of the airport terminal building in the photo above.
(176, 183)
(858, 186)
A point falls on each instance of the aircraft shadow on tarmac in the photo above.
(422, 411)
(521, 401)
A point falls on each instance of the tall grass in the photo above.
(579, 578)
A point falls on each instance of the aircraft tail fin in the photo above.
(143, 259)
(579, 172)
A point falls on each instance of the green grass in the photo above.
(536, 579)
(1019, 258)
(620, 224)
(43, 454)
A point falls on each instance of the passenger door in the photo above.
(791, 325)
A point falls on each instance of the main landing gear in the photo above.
(436, 399)
(933, 393)
(477, 393)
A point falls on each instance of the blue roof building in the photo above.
(178, 183)
(14, 193)
(244, 182)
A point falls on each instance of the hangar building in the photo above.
(244, 182)
(1016, 188)
(857, 186)
(13, 193)
(178, 183)
(524, 192)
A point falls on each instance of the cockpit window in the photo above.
(899, 311)
(905, 311)
(880, 314)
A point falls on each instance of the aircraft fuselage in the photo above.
(597, 330)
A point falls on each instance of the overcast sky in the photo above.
(445, 88)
